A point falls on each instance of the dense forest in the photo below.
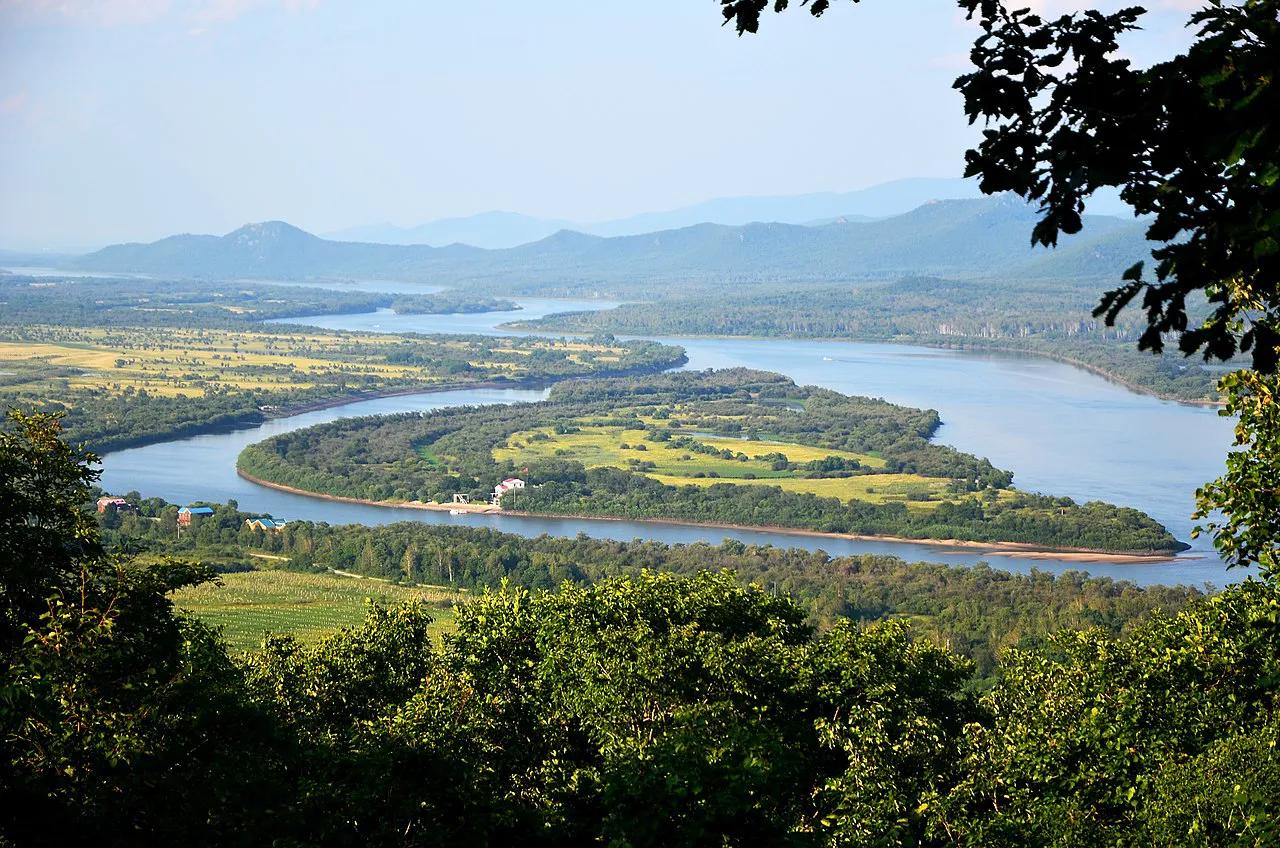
(1029, 316)
(644, 709)
(976, 612)
(434, 456)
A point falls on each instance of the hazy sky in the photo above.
(135, 119)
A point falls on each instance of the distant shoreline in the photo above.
(1008, 549)
(936, 343)
(251, 420)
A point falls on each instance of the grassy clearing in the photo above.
(794, 452)
(251, 604)
(875, 488)
(603, 446)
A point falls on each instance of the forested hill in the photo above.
(955, 237)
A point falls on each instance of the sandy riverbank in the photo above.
(1009, 549)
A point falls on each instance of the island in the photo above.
(733, 447)
(450, 302)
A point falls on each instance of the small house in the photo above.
(510, 484)
(187, 513)
(268, 523)
(116, 504)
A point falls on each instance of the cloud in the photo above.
(107, 13)
(113, 13)
(13, 104)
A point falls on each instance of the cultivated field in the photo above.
(177, 361)
(251, 604)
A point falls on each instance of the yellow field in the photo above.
(177, 361)
(598, 447)
(251, 604)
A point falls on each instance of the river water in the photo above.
(1060, 429)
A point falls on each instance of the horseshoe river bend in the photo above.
(1060, 429)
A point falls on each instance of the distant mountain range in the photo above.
(510, 229)
(488, 229)
(964, 238)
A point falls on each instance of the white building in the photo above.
(508, 485)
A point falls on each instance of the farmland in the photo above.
(121, 386)
(249, 605)
(179, 361)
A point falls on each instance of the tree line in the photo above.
(976, 612)
(648, 709)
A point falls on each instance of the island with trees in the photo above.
(733, 447)
(450, 302)
(1038, 317)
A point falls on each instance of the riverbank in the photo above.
(938, 343)
(252, 418)
(1009, 549)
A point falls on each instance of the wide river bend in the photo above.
(1060, 429)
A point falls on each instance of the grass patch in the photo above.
(249, 605)
(875, 488)
(794, 452)
(598, 446)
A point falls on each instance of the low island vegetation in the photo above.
(1040, 317)
(450, 302)
(732, 447)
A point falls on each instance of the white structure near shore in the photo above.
(508, 485)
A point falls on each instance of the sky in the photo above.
(130, 120)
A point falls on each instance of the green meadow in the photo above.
(249, 605)
(753, 463)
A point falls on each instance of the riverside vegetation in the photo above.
(977, 612)
(1038, 317)
(734, 446)
(644, 709)
(144, 365)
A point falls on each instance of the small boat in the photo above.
(457, 511)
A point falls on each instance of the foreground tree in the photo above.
(649, 710)
(1191, 143)
(121, 720)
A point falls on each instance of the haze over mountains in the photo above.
(961, 238)
(510, 229)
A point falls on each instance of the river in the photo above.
(1061, 430)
